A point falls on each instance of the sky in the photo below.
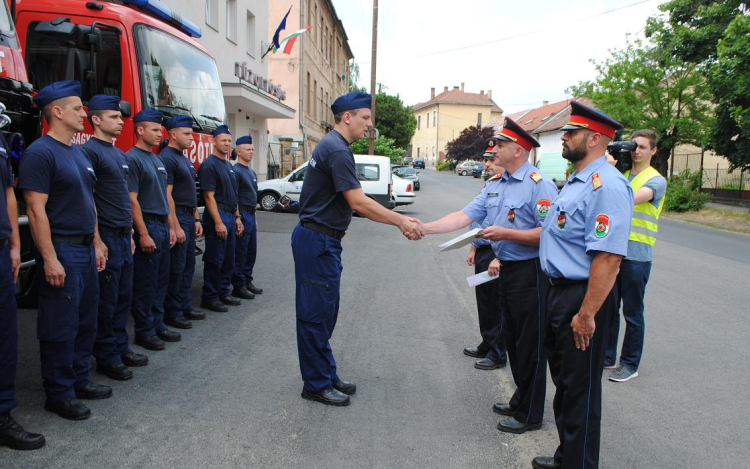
(526, 52)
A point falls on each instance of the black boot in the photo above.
(14, 436)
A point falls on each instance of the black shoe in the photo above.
(487, 364)
(503, 409)
(195, 315)
(70, 409)
(328, 396)
(178, 322)
(116, 371)
(149, 342)
(94, 392)
(228, 300)
(134, 359)
(346, 387)
(14, 436)
(541, 462)
(254, 289)
(475, 352)
(214, 305)
(169, 336)
(511, 425)
(242, 292)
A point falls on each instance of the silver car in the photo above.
(466, 168)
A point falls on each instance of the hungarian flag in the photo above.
(282, 26)
(286, 45)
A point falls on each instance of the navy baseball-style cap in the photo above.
(512, 132)
(179, 121)
(148, 115)
(245, 139)
(104, 102)
(583, 117)
(57, 90)
(349, 101)
(222, 129)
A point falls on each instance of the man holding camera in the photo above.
(649, 188)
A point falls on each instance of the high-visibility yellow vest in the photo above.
(645, 222)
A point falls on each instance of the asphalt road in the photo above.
(228, 395)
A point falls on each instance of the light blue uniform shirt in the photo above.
(585, 219)
(524, 204)
(479, 243)
(485, 207)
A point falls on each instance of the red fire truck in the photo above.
(139, 50)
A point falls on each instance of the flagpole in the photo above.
(373, 70)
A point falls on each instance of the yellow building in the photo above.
(443, 117)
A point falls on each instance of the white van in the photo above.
(374, 174)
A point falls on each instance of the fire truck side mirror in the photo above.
(125, 109)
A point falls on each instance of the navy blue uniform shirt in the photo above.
(248, 185)
(6, 180)
(330, 172)
(65, 174)
(148, 177)
(181, 176)
(218, 175)
(111, 189)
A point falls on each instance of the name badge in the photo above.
(492, 194)
(162, 170)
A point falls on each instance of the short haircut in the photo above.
(47, 110)
(649, 135)
(337, 118)
(91, 114)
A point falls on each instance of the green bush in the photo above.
(683, 192)
(446, 165)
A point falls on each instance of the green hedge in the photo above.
(446, 165)
(683, 192)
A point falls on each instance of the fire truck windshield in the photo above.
(6, 24)
(177, 76)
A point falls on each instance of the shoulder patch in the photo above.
(596, 181)
(535, 176)
(496, 176)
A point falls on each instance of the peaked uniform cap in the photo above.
(583, 117)
(512, 132)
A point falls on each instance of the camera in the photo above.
(620, 150)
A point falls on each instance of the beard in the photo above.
(574, 155)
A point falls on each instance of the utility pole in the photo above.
(372, 71)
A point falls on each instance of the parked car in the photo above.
(465, 168)
(554, 166)
(402, 193)
(374, 173)
(478, 170)
(418, 164)
(407, 172)
(408, 160)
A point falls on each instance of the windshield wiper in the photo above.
(179, 108)
(216, 119)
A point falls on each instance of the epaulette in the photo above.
(496, 176)
(535, 176)
(596, 181)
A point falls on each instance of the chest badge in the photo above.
(542, 207)
(602, 225)
(561, 219)
(511, 216)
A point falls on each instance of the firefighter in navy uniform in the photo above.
(57, 180)
(112, 346)
(584, 238)
(247, 244)
(11, 433)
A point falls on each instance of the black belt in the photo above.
(121, 230)
(226, 208)
(3, 243)
(512, 263)
(247, 208)
(86, 240)
(311, 225)
(484, 246)
(154, 217)
(184, 209)
(556, 282)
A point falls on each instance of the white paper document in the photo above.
(460, 241)
(479, 279)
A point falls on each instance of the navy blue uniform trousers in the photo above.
(150, 280)
(245, 252)
(115, 298)
(317, 272)
(489, 309)
(218, 259)
(577, 376)
(181, 269)
(8, 334)
(66, 320)
(520, 290)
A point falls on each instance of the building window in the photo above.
(312, 20)
(417, 152)
(315, 101)
(479, 119)
(322, 105)
(321, 35)
(310, 17)
(232, 20)
(428, 120)
(434, 118)
(250, 31)
(308, 92)
(212, 13)
(419, 122)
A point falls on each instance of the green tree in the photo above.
(644, 88)
(383, 146)
(470, 143)
(395, 120)
(354, 78)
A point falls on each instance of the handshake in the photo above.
(412, 228)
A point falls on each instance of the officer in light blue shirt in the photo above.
(583, 241)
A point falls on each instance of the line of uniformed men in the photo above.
(115, 234)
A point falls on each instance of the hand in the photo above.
(15, 262)
(611, 159)
(583, 330)
(411, 228)
(101, 252)
(147, 244)
(240, 226)
(54, 273)
(494, 268)
(493, 233)
(172, 237)
(198, 229)
(180, 233)
(470, 258)
(221, 231)
(132, 245)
